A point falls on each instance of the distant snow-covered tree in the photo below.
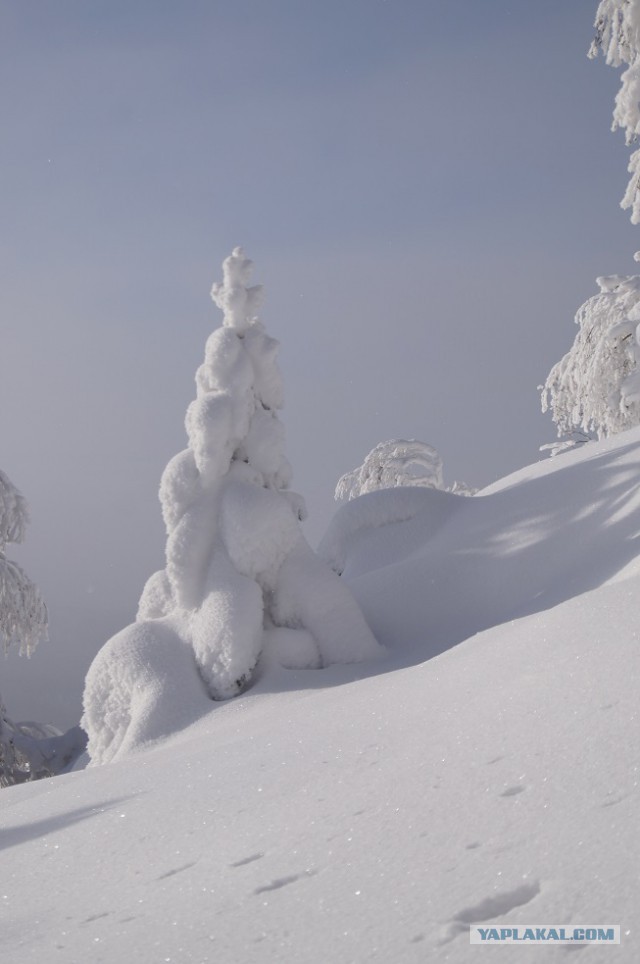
(398, 462)
(23, 615)
(28, 751)
(240, 579)
(595, 388)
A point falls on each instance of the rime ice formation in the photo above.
(595, 387)
(618, 38)
(239, 574)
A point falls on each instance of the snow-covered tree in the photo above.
(595, 388)
(239, 578)
(28, 751)
(23, 615)
(398, 462)
(618, 39)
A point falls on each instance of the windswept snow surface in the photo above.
(331, 816)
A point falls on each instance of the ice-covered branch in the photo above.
(618, 39)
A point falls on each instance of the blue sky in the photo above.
(428, 191)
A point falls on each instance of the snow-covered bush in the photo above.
(239, 575)
(398, 462)
(595, 388)
(28, 751)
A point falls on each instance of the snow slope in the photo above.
(456, 566)
(372, 813)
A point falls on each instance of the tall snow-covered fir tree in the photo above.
(240, 581)
(595, 388)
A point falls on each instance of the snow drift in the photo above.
(454, 566)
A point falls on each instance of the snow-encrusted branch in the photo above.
(618, 39)
(23, 614)
(594, 388)
(14, 514)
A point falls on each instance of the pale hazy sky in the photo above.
(428, 190)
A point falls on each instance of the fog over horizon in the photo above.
(428, 192)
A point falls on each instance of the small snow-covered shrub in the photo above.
(398, 462)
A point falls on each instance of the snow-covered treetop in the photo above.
(239, 304)
(618, 37)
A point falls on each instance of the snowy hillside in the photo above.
(456, 566)
(372, 813)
